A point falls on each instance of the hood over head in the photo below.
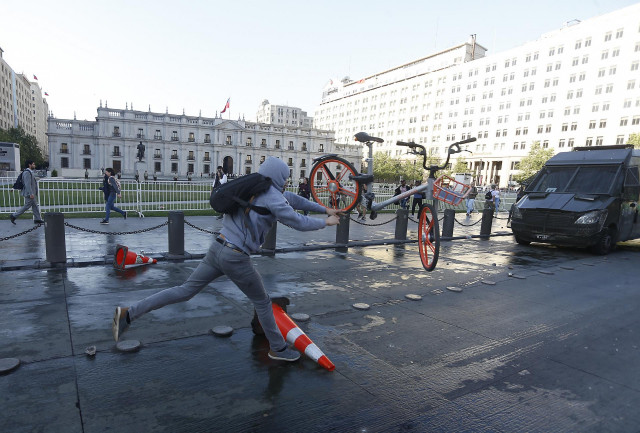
(277, 170)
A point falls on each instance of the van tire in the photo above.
(604, 244)
(521, 241)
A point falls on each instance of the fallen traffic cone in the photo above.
(294, 335)
(125, 258)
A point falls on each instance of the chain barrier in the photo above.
(201, 229)
(82, 229)
(468, 225)
(37, 226)
(371, 225)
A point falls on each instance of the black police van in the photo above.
(585, 198)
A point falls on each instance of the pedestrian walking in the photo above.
(471, 198)
(495, 195)
(30, 194)
(113, 186)
(363, 203)
(402, 188)
(417, 199)
(242, 234)
(221, 178)
(304, 191)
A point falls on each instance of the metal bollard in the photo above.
(54, 237)
(447, 222)
(270, 240)
(487, 221)
(176, 233)
(401, 224)
(342, 233)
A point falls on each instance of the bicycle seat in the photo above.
(363, 137)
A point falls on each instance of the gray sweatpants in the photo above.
(220, 260)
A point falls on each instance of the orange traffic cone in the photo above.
(294, 335)
(125, 258)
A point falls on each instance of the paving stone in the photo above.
(222, 331)
(300, 317)
(128, 345)
(8, 364)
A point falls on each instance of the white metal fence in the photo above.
(84, 196)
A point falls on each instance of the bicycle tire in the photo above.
(331, 186)
(428, 237)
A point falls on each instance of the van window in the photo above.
(553, 179)
(582, 179)
(593, 180)
(631, 189)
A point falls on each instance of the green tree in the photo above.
(461, 166)
(533, 162)
(635, 140)
(29, 148)
(385, 168)
(412, 169)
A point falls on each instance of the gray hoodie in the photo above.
(248, 233)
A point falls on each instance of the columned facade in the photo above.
(182, 146)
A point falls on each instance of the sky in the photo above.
(192, 55)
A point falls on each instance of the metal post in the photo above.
(176, 233)
(448, 222)
(401, 224)
(269, 245)
(487, 221)
(54, 237)
(342, 233)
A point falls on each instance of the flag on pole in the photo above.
(225, 106)
(35, 78)
(46, 94)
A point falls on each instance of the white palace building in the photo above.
(575, 86)
(181, 145)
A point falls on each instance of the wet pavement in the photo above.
(539, 338)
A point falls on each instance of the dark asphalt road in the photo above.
(528, 352)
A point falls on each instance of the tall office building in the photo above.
(177, 145)
(575, 86)
(283, 115)
(22, 104)
(39, 113)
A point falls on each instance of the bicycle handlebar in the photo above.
(454, 148)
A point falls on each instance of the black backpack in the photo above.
(240, 193)
(19, 184)
(487, 196)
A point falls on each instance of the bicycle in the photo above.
(337, 184)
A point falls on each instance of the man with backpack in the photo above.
(30, 193)
(111, 191)
(488, 200)
(243, 232)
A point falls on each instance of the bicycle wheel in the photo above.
(331, 185)
(428, 237)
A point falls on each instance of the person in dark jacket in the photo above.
(304, 190)
(113, 186)
(417, 199)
